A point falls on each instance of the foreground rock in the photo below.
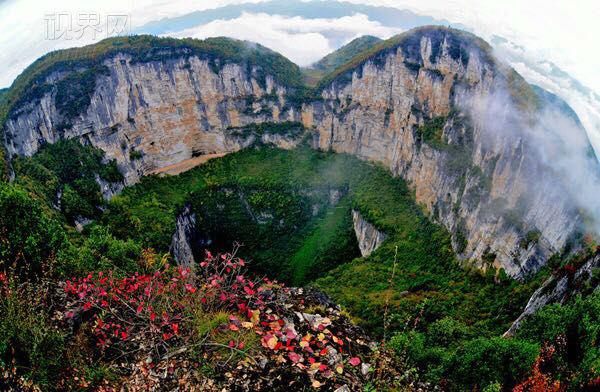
(214, 329)
(369, 238)
(560, 287)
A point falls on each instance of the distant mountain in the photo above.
(345, 53)
(387, 16)
(584, 101)
(339, 57)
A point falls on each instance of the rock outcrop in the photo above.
(412, 107)
(148, 115)
(369, 238)
(181, 243)
(557, 289)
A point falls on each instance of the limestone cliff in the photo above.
(181, 243)
(152, 113)
(412, 108)
(410, 105)
(369, 238)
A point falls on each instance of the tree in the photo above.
(28, 237)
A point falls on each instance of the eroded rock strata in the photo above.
(410, 106)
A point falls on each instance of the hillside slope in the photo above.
(337, 58)
(344, 54)
(411, 103)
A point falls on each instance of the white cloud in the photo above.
(564, 32)
(23, 38)
(301, 40)
(586, 107)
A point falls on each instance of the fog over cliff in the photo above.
(562, 156)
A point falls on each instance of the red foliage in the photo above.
(570, 269)
(538, 381)
(151, 311)
(153, 307)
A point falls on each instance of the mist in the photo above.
(556, 154)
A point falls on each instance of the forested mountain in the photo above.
(164, 201)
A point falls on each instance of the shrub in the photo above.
(74, 205)
(485, 361)
(100, 250)
(135, 154)
(216, 312)
(432, 132)
(29, 346)
(446, 332)
(538, 381)
(574, 328)
(29, 238)
(532, 237)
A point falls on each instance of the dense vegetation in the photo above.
(337, 58)
(291, 212)
(65, 174)
(345, 53)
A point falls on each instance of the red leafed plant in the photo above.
(539, 381)
(156, 316)
(153, 309)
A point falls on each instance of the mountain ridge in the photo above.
(344, 54)
(442, 65)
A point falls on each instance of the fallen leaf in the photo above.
(247, 324)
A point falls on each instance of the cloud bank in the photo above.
(304, 41)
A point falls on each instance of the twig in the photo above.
(386, 322)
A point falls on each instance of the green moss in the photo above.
(135, 154)
(532, 237)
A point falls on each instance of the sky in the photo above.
(564, 32)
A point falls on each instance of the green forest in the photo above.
(442, 320)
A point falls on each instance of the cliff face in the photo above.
(153, 114)
(369, 238)
(472, 180)
(411, 107)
